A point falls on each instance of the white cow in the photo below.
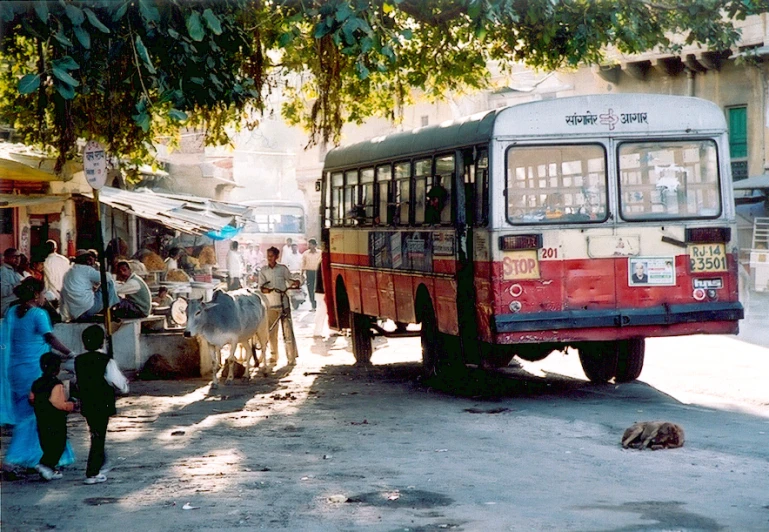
(231, 318)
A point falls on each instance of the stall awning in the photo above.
(189, 214)
(16, 171)
(10, 201)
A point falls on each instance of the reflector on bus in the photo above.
(512, 242)
(708, 234)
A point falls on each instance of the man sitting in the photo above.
(81, 297)
(135, 295)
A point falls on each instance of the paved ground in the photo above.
(327, 446)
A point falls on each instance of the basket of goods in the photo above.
(153, 262)
(177, 276)
(207, 256)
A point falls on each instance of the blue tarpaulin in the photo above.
(226, 232)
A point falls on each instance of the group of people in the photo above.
(33, 399)
(251, 259)
(73, 289)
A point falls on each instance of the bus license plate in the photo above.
(707, 257)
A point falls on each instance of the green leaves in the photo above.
(212, 22)
(179, 116)
(194, 27)
(144, 55)
(63, 75)
(95, 22)
(41, 8)
(148, 11)
(178, 61)
(83, 37)
(29, 83)
(74, 13)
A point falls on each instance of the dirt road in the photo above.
(327, 446)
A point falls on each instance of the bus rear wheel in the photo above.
(431, 352)
(630, 359)
(599, 360)
(360, 330)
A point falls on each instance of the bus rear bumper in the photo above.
(618, 318)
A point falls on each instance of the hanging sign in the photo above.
(95, 164)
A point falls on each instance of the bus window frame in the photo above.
(447, 182)
(561, 220)
(398, 218)
(368, 218)
(425, 178)
(351, 194)
(337, 201)
(646, 217)
(389, 212)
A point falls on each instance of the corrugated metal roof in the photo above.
(190, 214)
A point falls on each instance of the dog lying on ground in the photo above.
(653, 435)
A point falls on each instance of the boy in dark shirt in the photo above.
(51, 407)
(97, 400)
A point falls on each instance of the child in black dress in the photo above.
(51, 408)
(97, 399)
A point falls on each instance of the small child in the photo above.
(51, 408)
(97, 399)
(163, 299)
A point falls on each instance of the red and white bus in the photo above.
(588, 222)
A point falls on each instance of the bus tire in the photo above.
(360, 330)
(630, 359)
(599, 360)
(431, 352)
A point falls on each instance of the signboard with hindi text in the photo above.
(95, 164)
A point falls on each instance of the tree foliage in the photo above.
(131, 71)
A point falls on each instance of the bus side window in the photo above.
(385, 211)
(482, 188)
(337, 205)
(326, 204)
(352, 210)
(402, 193)
(367, 195)
(422, 169)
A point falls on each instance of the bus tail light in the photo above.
(515, 242)
(708, 235)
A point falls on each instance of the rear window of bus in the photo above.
(556, 184)
(669, 180)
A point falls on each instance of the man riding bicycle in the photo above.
(274, 280)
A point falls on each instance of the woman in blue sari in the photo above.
(27, 334)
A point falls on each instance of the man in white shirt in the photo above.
(286, 251)
(310, 262)
(81, 291)
(9, 279)
(136, 298)
(234, 267)
(273, 278)
(293, 260)
(54, 268)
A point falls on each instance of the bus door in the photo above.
(471, 177)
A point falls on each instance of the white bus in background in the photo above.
(271, 222)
